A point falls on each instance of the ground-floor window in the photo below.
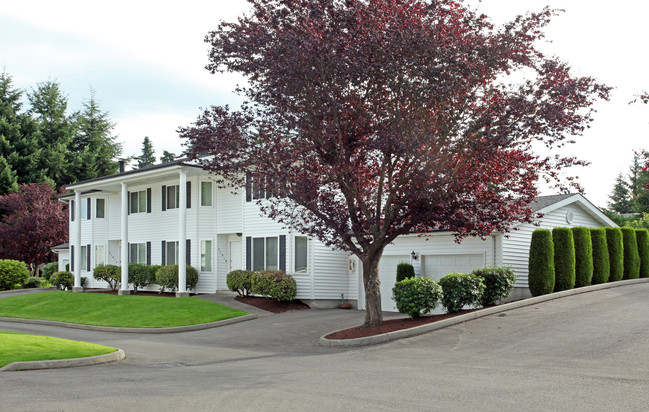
(100, 255)
(137, 253)
(300, 254)
(206, 255)
(265, 253)
(171, 253)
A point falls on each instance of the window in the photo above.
(206, 255)
(84, 257)
(206, 193)
(100, 208)
(84, 210)
(137, 253)
(138, 202)
(72, 210)
(300, 254)
(265, 253)
(258, 188)
(173, 197)
(171, 253)
(100, 255)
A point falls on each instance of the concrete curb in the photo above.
(65, 363)
(419, 330)
(177, 329)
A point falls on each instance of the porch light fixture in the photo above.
(413, 255)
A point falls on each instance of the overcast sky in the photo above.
(146, 62)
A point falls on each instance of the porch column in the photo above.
(123, 288)
(182, 236)
(77, 242)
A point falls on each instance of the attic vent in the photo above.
(570, 217)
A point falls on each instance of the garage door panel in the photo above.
(437, 266)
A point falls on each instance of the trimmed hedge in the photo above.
(49, 269)
(541, 263)
(583, 256)
(564, 259)
(460, 289)
(631, 256)
(12, 273)
(642, 237)
(62, 280)
(167, 277)
(112, 274)
(274, 284)
(615, 253)
(498, 281)
(240, 281)
(416, 296)
(405, 271)
(601, 265)
(141, 275)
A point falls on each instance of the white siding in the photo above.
(229, 211)
(330, 274)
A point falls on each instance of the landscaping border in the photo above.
(118, 355)
(419, 330)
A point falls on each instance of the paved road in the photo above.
(587, 352)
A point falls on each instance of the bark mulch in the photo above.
(271, 305)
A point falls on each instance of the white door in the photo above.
(388, 277)
(235, 256)
(437, 266)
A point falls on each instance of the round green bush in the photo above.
(141, 275)
(583, 256)
(112, 274)
(601, 265)
(62, 280)
(459, 290)
(32, 282)
(12, 273)
(274, 284)
(167, 277)
(404, 271)
(541, 263)
(50, 268)
(240, 281)
(631, 255)
(615, 253)
(416, 296)
(498, 281)
(642, 236)
(564, 259)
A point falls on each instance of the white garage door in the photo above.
(436, 266)
(388, 276)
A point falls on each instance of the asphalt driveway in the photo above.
(585, 352)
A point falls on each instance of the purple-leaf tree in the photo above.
(373, 119)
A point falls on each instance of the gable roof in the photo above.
(546, 204)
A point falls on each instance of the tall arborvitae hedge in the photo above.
(564, 258)
(601, 265)
(583, 256)
(642, 236)
(541, 263)
(615, 253)
(631, 257)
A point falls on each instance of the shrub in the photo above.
(274, 284)
(615, 253)
(111, 274)
(45, 284)
(416, 296)
(642, 236)
(62, 280)
(140, 275)
(564, 259)
(601, 266)
(631, 256)
(460, 289)
(49, 269)
(167, 278)
(541, 263)
(498, 281)
(32, 282)
(84, 281)
(405, 271)
(12, 273)
(583, 256)
(240, 281)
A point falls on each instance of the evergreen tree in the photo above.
(8, 180)
(167, 157)
(638, 180)
(147, 158)
(620, 197)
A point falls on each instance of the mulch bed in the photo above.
(392, 325)
(139, 293)
(271, 305)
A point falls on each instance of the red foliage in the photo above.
(385, 117)
(33, 221)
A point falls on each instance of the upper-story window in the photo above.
(85, 209)
(258, 188)
(171, 196)
(206, 193)
(138, 202)
(100, 208)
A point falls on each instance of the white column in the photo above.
(77, 242)
(123, 289)
(182, 236)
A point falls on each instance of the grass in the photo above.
(20, 347)
(119, 311)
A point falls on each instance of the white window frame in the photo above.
(84, 257)
(139, 208)
(175, 198)
(211, 196)
(167, 254)
(97, 208)
(304, 269)
(204, 256)
(140, 255)
(84, 209)
(265, 253)
(101, 254)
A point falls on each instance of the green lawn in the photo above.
(111, 310)
(19, 347)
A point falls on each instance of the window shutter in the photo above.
(128, 252)
(72, 258)
(189, 195)
(148, 200)
(128, 202)
(188, 252)
(88, 254)
(164, 253)
(164, 199)
(148, 252)
(282, 253)
(72, 210)
(248, 252)
(89, 209)
(248, 190)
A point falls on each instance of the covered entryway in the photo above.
(437, 266)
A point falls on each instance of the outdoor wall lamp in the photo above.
(413, 255)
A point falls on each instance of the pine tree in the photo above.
(8, 180)
(167, 157)
(147, 158)
(620, 197)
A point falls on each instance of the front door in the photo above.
(235, 256)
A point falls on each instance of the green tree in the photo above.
(147, 157)
(620, 197)
(8, 180)
(564, 258)
(167, 157)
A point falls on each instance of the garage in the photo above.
(436, 266)
(388, 276)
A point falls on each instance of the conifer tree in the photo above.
(147, 157)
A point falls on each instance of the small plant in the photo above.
(12, 273)
(84, 281)
(615, 253)
(564, 259)
(583, 256)
(631, 255)
(642, 236)
(45, 284)
(404, 271)
(459, 290)
(167, 278)
(110, 274)
(541, 263)
(62, 280)
(601, 266)
(240, 281)
(32, 282)
(274, 284)
(416, 296)
(140, 275)
(50, 268)
(498, 281)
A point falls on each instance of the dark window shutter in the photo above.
(164, 253)
(128, 202)
(248, 252)
(88, 256)
(164, 199)
(188, 252)
(248, 190)
(189, 195)
(148, 200)
(72, 210)
(282, 253)
(148, 252)
(128, 252)
(89, 208)
(72, 258)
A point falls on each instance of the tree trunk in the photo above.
(373, 314)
